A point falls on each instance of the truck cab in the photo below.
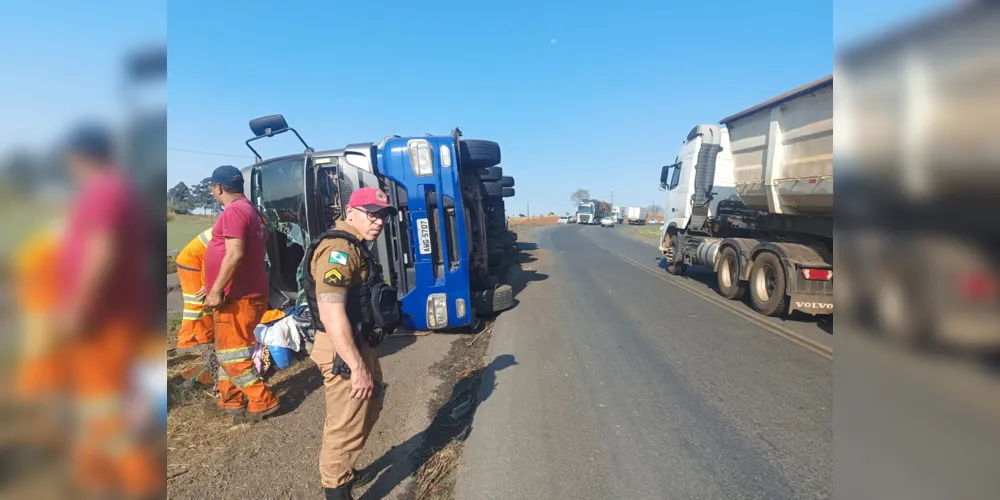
(301, 195)
(705, 163)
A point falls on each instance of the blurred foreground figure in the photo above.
(107, 303)
(196, 321)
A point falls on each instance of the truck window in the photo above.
(675, 178)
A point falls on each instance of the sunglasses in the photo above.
(381, 215)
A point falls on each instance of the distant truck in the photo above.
(636, 215)
(617, 214)
(586, 213)
(754, 202)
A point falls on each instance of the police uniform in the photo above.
(337, 266)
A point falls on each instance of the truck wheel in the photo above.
(479, 154)
(489, 302)
(507, 181)
(493, 189)
(507, 192)
(767, 285)
(676, 268)
(491, 174)
(730, 285)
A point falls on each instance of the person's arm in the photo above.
(227, 269)
(99, 256)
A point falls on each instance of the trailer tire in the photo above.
(493, 189)
(767, 285)
(493, 301)
(507, 181)
(479, 154)
(494, 174)
(728, 275)
(507, 192)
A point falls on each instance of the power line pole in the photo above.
(612, 198)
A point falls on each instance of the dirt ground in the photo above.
(416, 445)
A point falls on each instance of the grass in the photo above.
(20, 219)
(181, 229)
(649, 232)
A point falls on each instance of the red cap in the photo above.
(370, 199)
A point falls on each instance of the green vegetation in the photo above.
(20, 219)
(171, 265)
(181, 229)
(649, 232)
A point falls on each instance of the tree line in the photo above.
(182, 199)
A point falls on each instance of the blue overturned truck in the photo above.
(446, 251)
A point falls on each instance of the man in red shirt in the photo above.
(237, 285)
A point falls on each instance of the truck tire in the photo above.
(676, 268)
(507, 181)
(730, 285)
(479, 154)
(767, 285)
(489, 302)
(491, 174)
(493, 189)
(507, 192)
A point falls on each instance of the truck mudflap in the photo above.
(812, 304)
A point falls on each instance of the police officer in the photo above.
(352, 309)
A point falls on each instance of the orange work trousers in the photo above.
(107, 454)
(234, 343)
(196, 322)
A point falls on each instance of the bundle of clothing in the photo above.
(281, 335)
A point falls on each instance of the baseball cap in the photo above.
(90, 140)
(228, 175)
(370, 199)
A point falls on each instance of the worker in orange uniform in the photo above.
(40, 376)
(236, 279)
(106, 301)
(196, 321)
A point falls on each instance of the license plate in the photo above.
(424, 236)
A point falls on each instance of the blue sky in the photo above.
(64, 62)
(578, 94)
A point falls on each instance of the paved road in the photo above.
(626, 386)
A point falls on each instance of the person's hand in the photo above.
(362, 386)
(213, 299)
(200, 294)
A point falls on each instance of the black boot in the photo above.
(363, 477)
(342, 493)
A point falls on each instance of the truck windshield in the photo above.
(282, 190)
(586, 210)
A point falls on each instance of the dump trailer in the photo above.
(753, 201)
(917, 220)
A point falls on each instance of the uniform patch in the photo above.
(333, 278)
(338, 258)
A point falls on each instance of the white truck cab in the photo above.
(706, 149)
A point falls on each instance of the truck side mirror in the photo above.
(664, 176)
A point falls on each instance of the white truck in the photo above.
(753, 201)
(617, 214)
(586, 213)
(636, 216)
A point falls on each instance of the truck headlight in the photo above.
(445, 156)
(460, 308)
(421, 157)
(437, 310)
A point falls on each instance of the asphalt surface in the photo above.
(627, 386)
